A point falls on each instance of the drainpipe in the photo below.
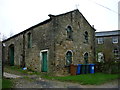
(2, 45)
(54, 42)
(23, 55)
(0, 59)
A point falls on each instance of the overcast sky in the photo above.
(18, 15)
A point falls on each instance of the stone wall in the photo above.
(42, 39)
(107, 48)
(17, 42)
(77, 45)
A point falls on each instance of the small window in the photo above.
(86, 37)
(79, 25)
(116, 53)
(29, 40)
(69, 32)
(100, 57)
(115, 39)
(86, 58)
(100, 40)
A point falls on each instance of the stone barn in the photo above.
(52, 45)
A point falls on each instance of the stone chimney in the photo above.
(51, 16)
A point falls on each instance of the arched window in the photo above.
(86, 36)
(68, 58)
(86, 58)
(69, 32)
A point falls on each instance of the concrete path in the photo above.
(8, 75)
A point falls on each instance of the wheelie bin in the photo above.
(92, 68)
(79, 69)
(87, 68)
(83, 69)
(73, 69)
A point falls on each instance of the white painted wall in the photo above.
(119, 15)
(0, 65)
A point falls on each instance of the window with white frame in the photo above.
(100, 40)
(116, 53)
(115, 39)
(100, 57)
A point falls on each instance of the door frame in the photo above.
(11, 54)
(42, 51)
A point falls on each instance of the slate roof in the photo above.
(107, 33)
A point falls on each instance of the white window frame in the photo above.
(100, 57)
(116, 53)
(114, 39)
(100, 40)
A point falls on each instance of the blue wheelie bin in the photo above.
(92, 68)
(78, 69)
(87, 69)
(83, 69)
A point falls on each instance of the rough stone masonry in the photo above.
(52, 45)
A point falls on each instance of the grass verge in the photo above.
(86, 79)
(18, 70)
(7, 83)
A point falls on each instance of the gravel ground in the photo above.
(56, 84)
(44, 84)
(33, 81)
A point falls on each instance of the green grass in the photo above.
(7, 83)
(91, 79)
(18, 70)
(0, 83)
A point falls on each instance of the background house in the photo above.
(52, 45)
(108, 46)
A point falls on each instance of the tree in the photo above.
(2, 37)
(11, 34)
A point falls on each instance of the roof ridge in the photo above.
(51, 15)
(107, 31)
